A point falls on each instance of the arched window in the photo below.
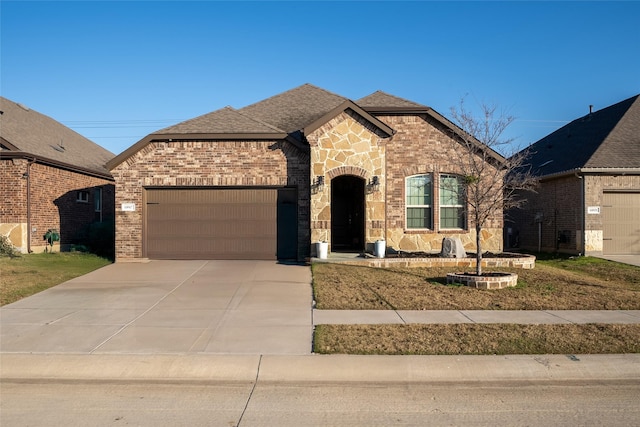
(453, 212)
(419, 194)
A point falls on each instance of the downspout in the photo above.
(583, 219)
(27, 175)
(386, 188)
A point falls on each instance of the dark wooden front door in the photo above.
(347, 213)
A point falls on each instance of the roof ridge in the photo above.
(608, 140)
(289, 91)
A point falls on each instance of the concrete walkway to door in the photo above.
(168, 307)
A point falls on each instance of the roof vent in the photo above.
(24, 107)
(59, 147)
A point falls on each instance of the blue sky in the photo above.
(116, 71)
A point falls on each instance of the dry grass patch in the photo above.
(475, 339)
(26, 275)
(570, 284)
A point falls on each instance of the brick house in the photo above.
(589, 175)
(50, 178)
(272, 179)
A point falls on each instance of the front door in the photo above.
(347, 213)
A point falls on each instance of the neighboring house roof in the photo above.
(604, 139)
(26, 133)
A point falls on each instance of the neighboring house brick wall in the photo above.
(595, 186)
(551, 219)
(13, 209)
(559, 208)
(53, 197)
(206, 164)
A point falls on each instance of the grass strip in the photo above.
(477, 339)
(26, 275)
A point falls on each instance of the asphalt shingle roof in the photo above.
(41, 136)
(294, 109)
(608, 138)
(380, 99)
(224, 121)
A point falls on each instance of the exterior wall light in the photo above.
(318, 186)
(373, 185)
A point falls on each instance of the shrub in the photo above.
(6, 248)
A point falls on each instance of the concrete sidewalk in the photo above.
(372, 317)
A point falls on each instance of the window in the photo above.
(97, 199)
(82, 197)
(97, 204)
(452, 202)
(418, 201)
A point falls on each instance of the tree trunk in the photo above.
(478, 250)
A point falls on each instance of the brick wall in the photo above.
(53, 202)
(551, 219)
(558, 208)
(206, 164)
(422, 146)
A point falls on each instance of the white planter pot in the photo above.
(322, 249)
(379, 248)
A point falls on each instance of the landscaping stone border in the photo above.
(492, 281)
(526, 262)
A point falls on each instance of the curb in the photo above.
(318, 368)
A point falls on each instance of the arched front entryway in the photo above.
(347, 213)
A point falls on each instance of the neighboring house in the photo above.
(588, 201)
(272, 179)
(50, 178)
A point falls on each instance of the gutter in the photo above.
(594, 171)
(62, 165)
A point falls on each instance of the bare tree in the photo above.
(490, 182)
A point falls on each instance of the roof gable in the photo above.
(380, 100)
(608, 138)
(27, 131)
(621, 147)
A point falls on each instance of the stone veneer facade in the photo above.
(349, 145)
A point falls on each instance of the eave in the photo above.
(171, 137)
(590, 171)
(54, 163)
(348, 105)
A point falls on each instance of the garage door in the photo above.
(220, 223)
(621, 223)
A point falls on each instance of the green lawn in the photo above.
(26, 275)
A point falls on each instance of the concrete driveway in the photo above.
(625, 259)
(238, 307)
